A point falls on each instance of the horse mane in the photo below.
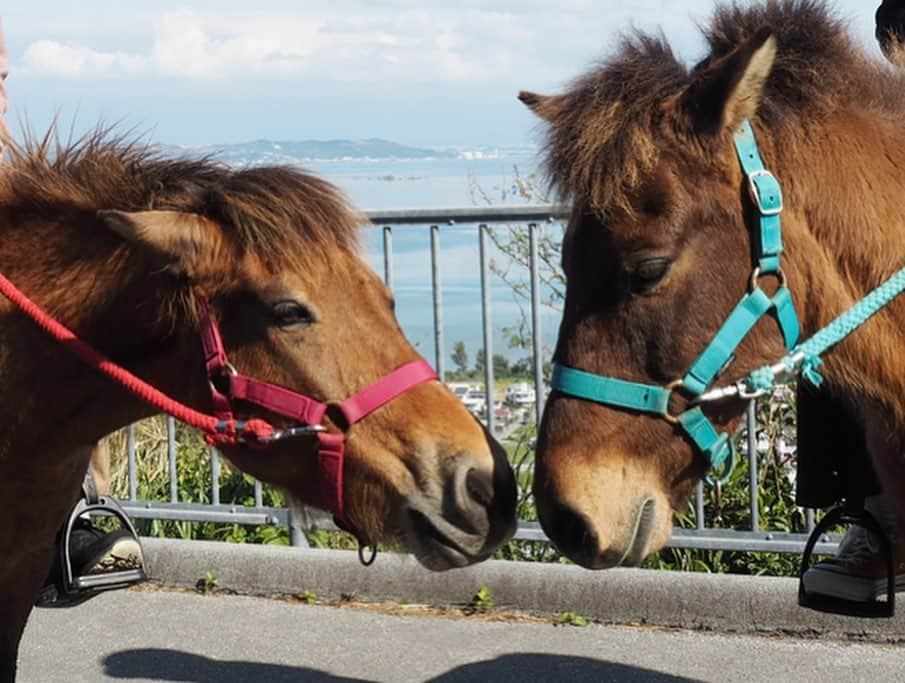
(606, 132)
(278, 212)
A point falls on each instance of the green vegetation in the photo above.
(571, 619)
(307, 596)
(503, 369)
(207, 584)
(481, 601)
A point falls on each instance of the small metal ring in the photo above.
(361, 554)
(671, 388)
(756, 275)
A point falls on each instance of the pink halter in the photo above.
(303, 409)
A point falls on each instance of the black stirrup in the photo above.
(69, 588)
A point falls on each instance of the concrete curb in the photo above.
(723, 603)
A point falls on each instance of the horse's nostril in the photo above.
(480, 487)
(572, 532)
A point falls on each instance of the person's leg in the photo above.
(832, 437)
(100, 467)
(834, 465)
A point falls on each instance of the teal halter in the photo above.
(766, 197)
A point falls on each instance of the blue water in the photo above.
(443, 182)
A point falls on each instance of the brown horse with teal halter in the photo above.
(659, 252)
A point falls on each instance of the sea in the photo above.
(458, 178)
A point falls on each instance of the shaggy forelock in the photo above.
(610, 130)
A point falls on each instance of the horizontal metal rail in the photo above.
(467, 215)
(708, 539)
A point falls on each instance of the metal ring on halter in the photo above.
(228, 369)
(756, 275)
(671, 388)
(361, 554)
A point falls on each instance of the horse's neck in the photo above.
(846, 209)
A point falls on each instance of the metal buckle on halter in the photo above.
(755, 192)
(291, 432)
(739, 390)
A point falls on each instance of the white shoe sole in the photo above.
(822, 581)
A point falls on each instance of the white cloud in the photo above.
(409, 45)
(380, 40)
(56, 59)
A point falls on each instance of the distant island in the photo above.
(289, 151)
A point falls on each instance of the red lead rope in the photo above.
(223, 430)
(91, 356)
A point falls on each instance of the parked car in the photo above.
(521, 394)
(476, 402)
(501, 412)
(460, 389)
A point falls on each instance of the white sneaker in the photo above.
(858, 572)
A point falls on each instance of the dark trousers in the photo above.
(833, 463)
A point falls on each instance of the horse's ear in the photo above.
(729, 90)
(185, 242)
(545, 106)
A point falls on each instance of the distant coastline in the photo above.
(258, 152)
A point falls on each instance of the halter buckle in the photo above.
(754, 191)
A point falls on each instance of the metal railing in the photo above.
(753, 539)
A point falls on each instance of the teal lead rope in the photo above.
(806, 357)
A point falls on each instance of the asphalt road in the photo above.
(166, 636)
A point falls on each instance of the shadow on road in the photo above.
(543, 667)
(173, 665)
(185, 667)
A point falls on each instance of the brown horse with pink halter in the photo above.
(126, 259)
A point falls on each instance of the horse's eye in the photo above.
(648, 273)
(289, 313)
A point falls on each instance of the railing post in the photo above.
(297, 536)
(753, 488)
(215, 476)
(171, 459)
(388, 256)
(130, 456)
(536, 337)
(699, 506)
(487, 328)
(438, 303)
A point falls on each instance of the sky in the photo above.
(419, 72)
